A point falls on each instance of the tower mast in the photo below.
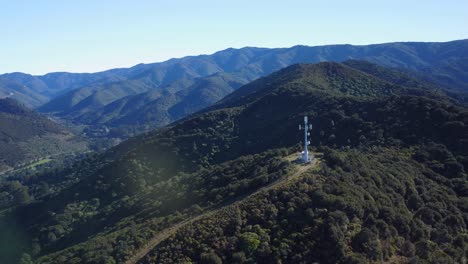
(307, 128)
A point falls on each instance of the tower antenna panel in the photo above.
(307, 128)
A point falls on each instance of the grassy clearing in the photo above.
(37, 163)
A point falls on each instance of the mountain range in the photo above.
(128, 99)
(221, 185)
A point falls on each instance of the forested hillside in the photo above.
(160, 107)
(391, 185)
(26, 135)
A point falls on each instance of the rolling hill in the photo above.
(26, 135)
(22, 93)
(216, 186)
(158, 108)
(442, 64)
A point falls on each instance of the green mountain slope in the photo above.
(21, 92)
(158, 108)
(26, 135)
(391, 185)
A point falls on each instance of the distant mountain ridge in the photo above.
(79, 97)
(34, 91)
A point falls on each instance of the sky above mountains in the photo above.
(88, 36)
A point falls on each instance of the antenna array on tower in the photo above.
(307, 127)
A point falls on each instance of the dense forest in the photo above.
(391, 184)
(374, 205)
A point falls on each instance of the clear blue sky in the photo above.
(40, 36)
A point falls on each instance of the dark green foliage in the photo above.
(154, 197)
(25, 259)
(336, 216)
(210, 258)
(391, 186)
(13, 192)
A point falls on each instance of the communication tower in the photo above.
(307, 127)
